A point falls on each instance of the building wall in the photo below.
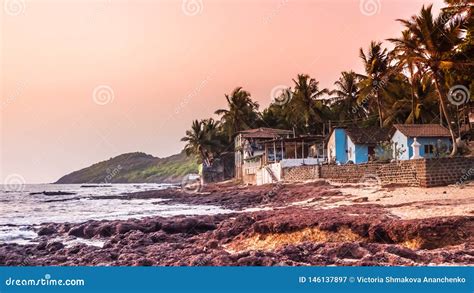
(351, 150)
(264, 177)
(361, 153)
(238, 156)
(300, 173)
(427, 141)
(406, 142)
(337, 145)
(249, 171)
(402, 143)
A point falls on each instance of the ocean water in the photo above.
(20, 209)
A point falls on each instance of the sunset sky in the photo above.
(86, 80)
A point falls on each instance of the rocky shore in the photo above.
(291, 224)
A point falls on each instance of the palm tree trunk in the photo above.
(413, 106)
(439, 82)
(379, 106)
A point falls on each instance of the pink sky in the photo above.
(166, 64)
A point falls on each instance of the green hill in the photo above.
(135, 168)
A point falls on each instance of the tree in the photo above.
(242, 113)
(305, 106)
(376, 65)
(436, 39)
(203, 140)
(410, 101)
(344, 101)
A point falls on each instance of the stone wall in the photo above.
(400, 173)
(422, 172)
(444, 171)
(300, 173)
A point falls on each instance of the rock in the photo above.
(54, 246)
(351, 250)
(52, 193)
(212, 244)
(361, 199)
(44, 231)
(358, 234)
(106, 230)
(123, 228)
(403, 252)
(77, 231)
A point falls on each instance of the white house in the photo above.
(434, 140)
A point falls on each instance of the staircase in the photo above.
(272, 175)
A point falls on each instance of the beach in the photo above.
(299, 224)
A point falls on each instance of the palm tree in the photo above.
(305, 106)
(435, 40)
(344, 101)
(203, 140)
(376, 65)
(402, 108)
(242, 112)
(407, 61)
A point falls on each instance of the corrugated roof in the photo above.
(369, 135)
(422, 130)
(264, 132)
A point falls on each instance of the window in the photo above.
(429, 149)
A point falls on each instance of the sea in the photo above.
(23, 210)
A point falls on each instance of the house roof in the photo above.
(369, 135)
(422, 130)
(307, 138)
(264, 132)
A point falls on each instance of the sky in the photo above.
(86, 80)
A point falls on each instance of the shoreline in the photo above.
(313, 223)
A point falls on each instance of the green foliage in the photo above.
(135, 168)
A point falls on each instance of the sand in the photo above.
(417, 202)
